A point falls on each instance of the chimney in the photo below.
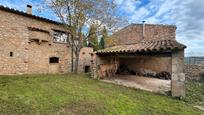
(29, 9)
(143, 29)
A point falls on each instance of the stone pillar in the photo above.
(94, 73)
(178, 76)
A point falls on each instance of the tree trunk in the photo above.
(72, 53)
(76, 63)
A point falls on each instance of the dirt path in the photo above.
(199, 107)
(144, 83)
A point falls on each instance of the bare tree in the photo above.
(77, 15)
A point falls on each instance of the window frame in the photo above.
(54, 60)
(62, 32)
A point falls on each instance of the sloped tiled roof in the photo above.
(5, 8)
(142, 47)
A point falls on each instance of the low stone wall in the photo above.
(194, 72)
(104, 66)
(153, 63)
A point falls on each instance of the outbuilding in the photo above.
(146, 50)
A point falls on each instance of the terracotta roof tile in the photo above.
(150, 46)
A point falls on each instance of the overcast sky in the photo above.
(187, 15)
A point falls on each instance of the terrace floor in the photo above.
(144, 83)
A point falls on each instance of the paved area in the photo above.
(144, 83)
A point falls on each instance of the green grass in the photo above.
(195, 93)
(78, 94)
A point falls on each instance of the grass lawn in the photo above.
(78, 94)
(195, 93)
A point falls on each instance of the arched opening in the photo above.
(87, 69)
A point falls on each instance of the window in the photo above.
(60, 36)
(54, 60)
(11, 54)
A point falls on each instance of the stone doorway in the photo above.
(54, 65)
(87, 69)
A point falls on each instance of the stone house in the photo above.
(147, 49)
(30, 44)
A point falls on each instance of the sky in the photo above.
(187, 15)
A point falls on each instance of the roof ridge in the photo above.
(13, 10)
(150, 41)
(151, 24)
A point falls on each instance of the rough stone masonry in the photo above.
(31, 44)
(26, 44)
(150, 47)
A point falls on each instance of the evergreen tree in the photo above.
(102, 43)
(85, 43)
(93, 38)
(103, 38)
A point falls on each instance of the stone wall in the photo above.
(148, 63)
(85, 58)
(31, 49)
(133, 33)
(194, 72)
(104, 66)
(178, 76)
(152, 63)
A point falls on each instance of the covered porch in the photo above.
(155, 66)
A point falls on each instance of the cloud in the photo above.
(156, 11)
(139, 14)
(127, 6)
(189, 19)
